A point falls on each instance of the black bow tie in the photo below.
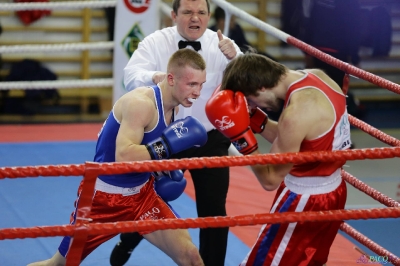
(196, 45)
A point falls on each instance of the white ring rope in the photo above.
(354, 71)
(57, 5)
(55, 47)
(60, 84)
(229, 8)
(165, 8)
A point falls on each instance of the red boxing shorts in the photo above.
(305, 243)
(115, 204)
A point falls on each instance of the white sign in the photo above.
(134, 20)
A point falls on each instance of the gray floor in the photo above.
(383, 175)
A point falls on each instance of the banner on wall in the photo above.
(134, 20)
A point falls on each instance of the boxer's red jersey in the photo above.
(336, 138)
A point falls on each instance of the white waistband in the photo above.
(313, 185)
(126, 191)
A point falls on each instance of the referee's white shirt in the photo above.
(153, 54)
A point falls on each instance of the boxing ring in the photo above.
(90, 170)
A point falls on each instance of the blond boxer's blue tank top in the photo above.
(105, 148)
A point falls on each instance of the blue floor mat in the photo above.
(41, 201)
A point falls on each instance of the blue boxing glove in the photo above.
(171, 185)
(180, 135)
(176, 175)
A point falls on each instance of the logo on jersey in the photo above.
(137, 6)
(224, 123)
(179, 129)
(342, 134)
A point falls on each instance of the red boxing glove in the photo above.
(258, 120)
(227, 111)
